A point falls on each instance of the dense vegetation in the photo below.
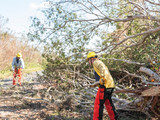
(124, 34)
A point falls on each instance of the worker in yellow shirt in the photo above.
(106, 86)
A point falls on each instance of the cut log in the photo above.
(150, 73)
(153, 91)
(138, 92)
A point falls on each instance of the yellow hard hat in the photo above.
(91, 54)
(19, 55)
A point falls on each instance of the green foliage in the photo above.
(64, 36)
(29, 67)
(57, 33)
(65, 31)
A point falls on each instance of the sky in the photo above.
(19, 12)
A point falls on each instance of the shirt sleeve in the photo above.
(13, 62)
(22, 63)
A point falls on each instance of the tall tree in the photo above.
(127, 33)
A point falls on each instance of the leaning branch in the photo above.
(107, 19)
(126, 61)
(150, 73)
(154, 3)
(139, 34)
(149, 83)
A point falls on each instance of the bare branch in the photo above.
(154, 3)
(135, 44)
(150, 73)
(139, 34)
(133, 18)
(126, 61)
(96, 8)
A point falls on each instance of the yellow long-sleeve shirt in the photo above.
(102, 70)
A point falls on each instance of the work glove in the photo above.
(16, 70)
(101, 81)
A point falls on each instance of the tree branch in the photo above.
(127, 61)
(150, 73)
(152, 2)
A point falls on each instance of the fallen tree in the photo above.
(71, 91)
(148, 97)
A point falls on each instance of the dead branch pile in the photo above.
(147, 96)
(68, 90)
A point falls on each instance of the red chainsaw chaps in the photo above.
(18, 72)
(97, 107)
(109, 109)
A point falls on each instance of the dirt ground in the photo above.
(13, 108)
(11, 105)
(26, 103)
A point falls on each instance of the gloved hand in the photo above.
(16, 70)
(101, 81)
